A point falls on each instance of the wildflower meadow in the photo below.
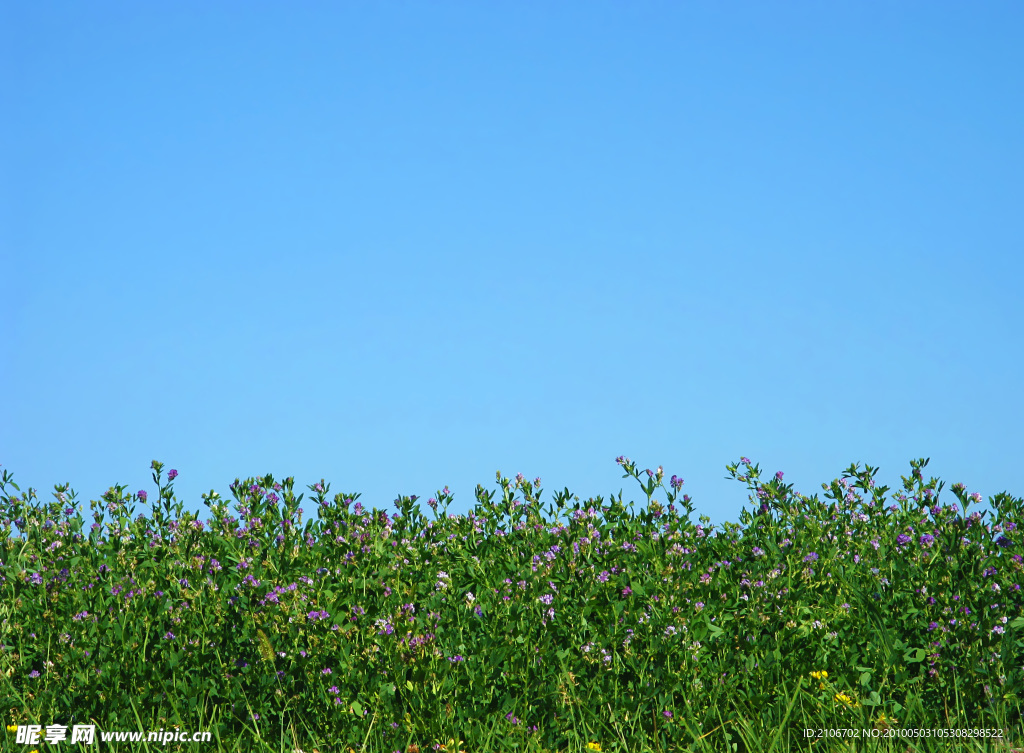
(847, 622)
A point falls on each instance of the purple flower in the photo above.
(903, 539)
(142, 494)
(745, 461)
(169, 636)
(778, 475)
(627, 591)
(172, 474)
(812, 557)
(333, 690)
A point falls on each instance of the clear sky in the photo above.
(402, 245)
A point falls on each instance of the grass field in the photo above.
(518, 627)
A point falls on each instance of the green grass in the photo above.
(518, 628)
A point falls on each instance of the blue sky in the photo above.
(400, 246)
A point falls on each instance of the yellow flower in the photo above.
(822, 675)
(12, 727)
(884, 723)
(593, 746)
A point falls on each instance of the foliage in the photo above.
(593, 626)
